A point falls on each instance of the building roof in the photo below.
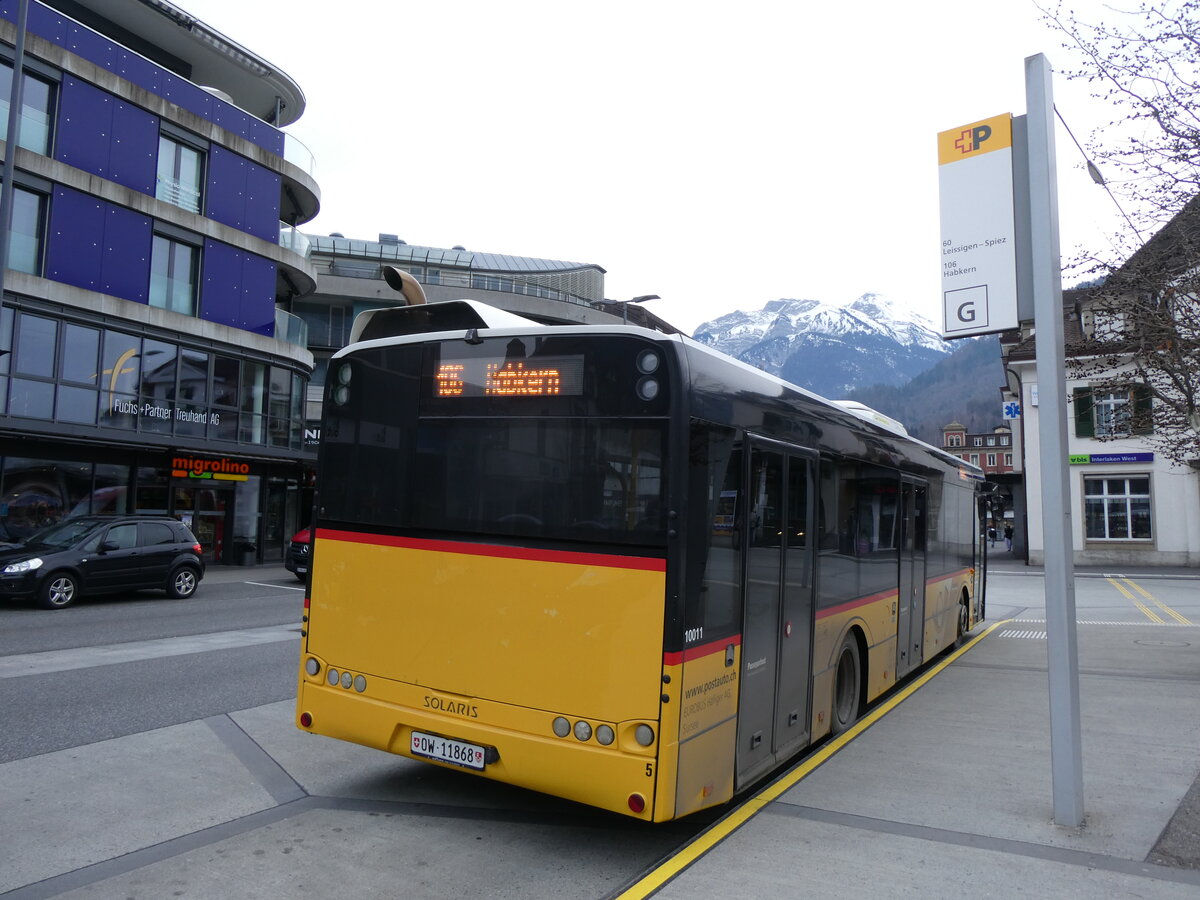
(457, 257)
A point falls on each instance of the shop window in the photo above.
(37, 109)
(157, 387)
(120, 376)
(1117, 508)
(37, 493)
(180, 178)
(174, 271)
(281, 407)
(6, 330)
(36, 343)
(191, 398)
(253, 403)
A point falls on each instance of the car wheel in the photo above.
(303, 579)
(183, 583)
(59, 590)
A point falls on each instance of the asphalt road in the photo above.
(69, 707)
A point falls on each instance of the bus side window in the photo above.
(713, 577)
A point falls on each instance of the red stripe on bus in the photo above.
(678, 657)
(641, 563)
(854, 604)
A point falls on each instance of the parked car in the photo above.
(102, 555)
(299, 554)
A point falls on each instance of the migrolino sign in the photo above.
(223, 469)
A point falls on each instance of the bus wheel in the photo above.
(847, 691)
(963, 621)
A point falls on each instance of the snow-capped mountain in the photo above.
(829, 349)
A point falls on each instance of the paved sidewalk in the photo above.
(947, 793)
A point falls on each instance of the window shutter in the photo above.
(1143, 412)
(1084, 423)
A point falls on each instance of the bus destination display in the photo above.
(550, 376)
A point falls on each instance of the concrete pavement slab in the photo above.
(783, 855)
(76, 807)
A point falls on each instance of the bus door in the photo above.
(773, 703)
(911, 601)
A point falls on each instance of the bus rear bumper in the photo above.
(615, 777)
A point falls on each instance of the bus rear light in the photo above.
(647, 362)
(605, 735)
(312, 666)
(333, 677)
(347, 680)
(562, 727)
(644, 735)
(637, 803)
(583, 731)
(647, 388)
(306, 720)
(360, 683)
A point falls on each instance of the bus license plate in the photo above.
(458, 753)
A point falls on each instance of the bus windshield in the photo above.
(401, 456)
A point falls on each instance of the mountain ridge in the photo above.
(866, 350)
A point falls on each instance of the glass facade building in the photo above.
(147, 361)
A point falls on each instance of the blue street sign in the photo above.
(1012, 410)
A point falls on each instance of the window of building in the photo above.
(1109, 414)
(991, 442)
(975, 458)
(174, 275)
(1117, 508)
(978, 442)
(1003, 440)
(954, 440)
(28, 226)
(37, 109)
(991, 459)
(1008, 459)
(180, 179)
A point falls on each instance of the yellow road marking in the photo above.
(705, 842)
(1149, 613)
(1181, 619)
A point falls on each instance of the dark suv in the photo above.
(102, 555)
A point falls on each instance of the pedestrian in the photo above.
(991, 536)
(1008, 536)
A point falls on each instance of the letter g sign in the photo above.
(966, 312)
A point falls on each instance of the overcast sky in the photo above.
(720, 155)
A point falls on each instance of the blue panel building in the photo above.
(148, 362)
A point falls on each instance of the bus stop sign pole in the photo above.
(1062, 647)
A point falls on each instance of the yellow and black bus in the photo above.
(610, 564)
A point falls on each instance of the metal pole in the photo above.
(13, 136)
(1061, 645)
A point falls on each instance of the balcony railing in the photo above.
(296, 241)
(298, 155)
(290, 328)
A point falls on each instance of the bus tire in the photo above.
(847, 687)
(963, 620)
